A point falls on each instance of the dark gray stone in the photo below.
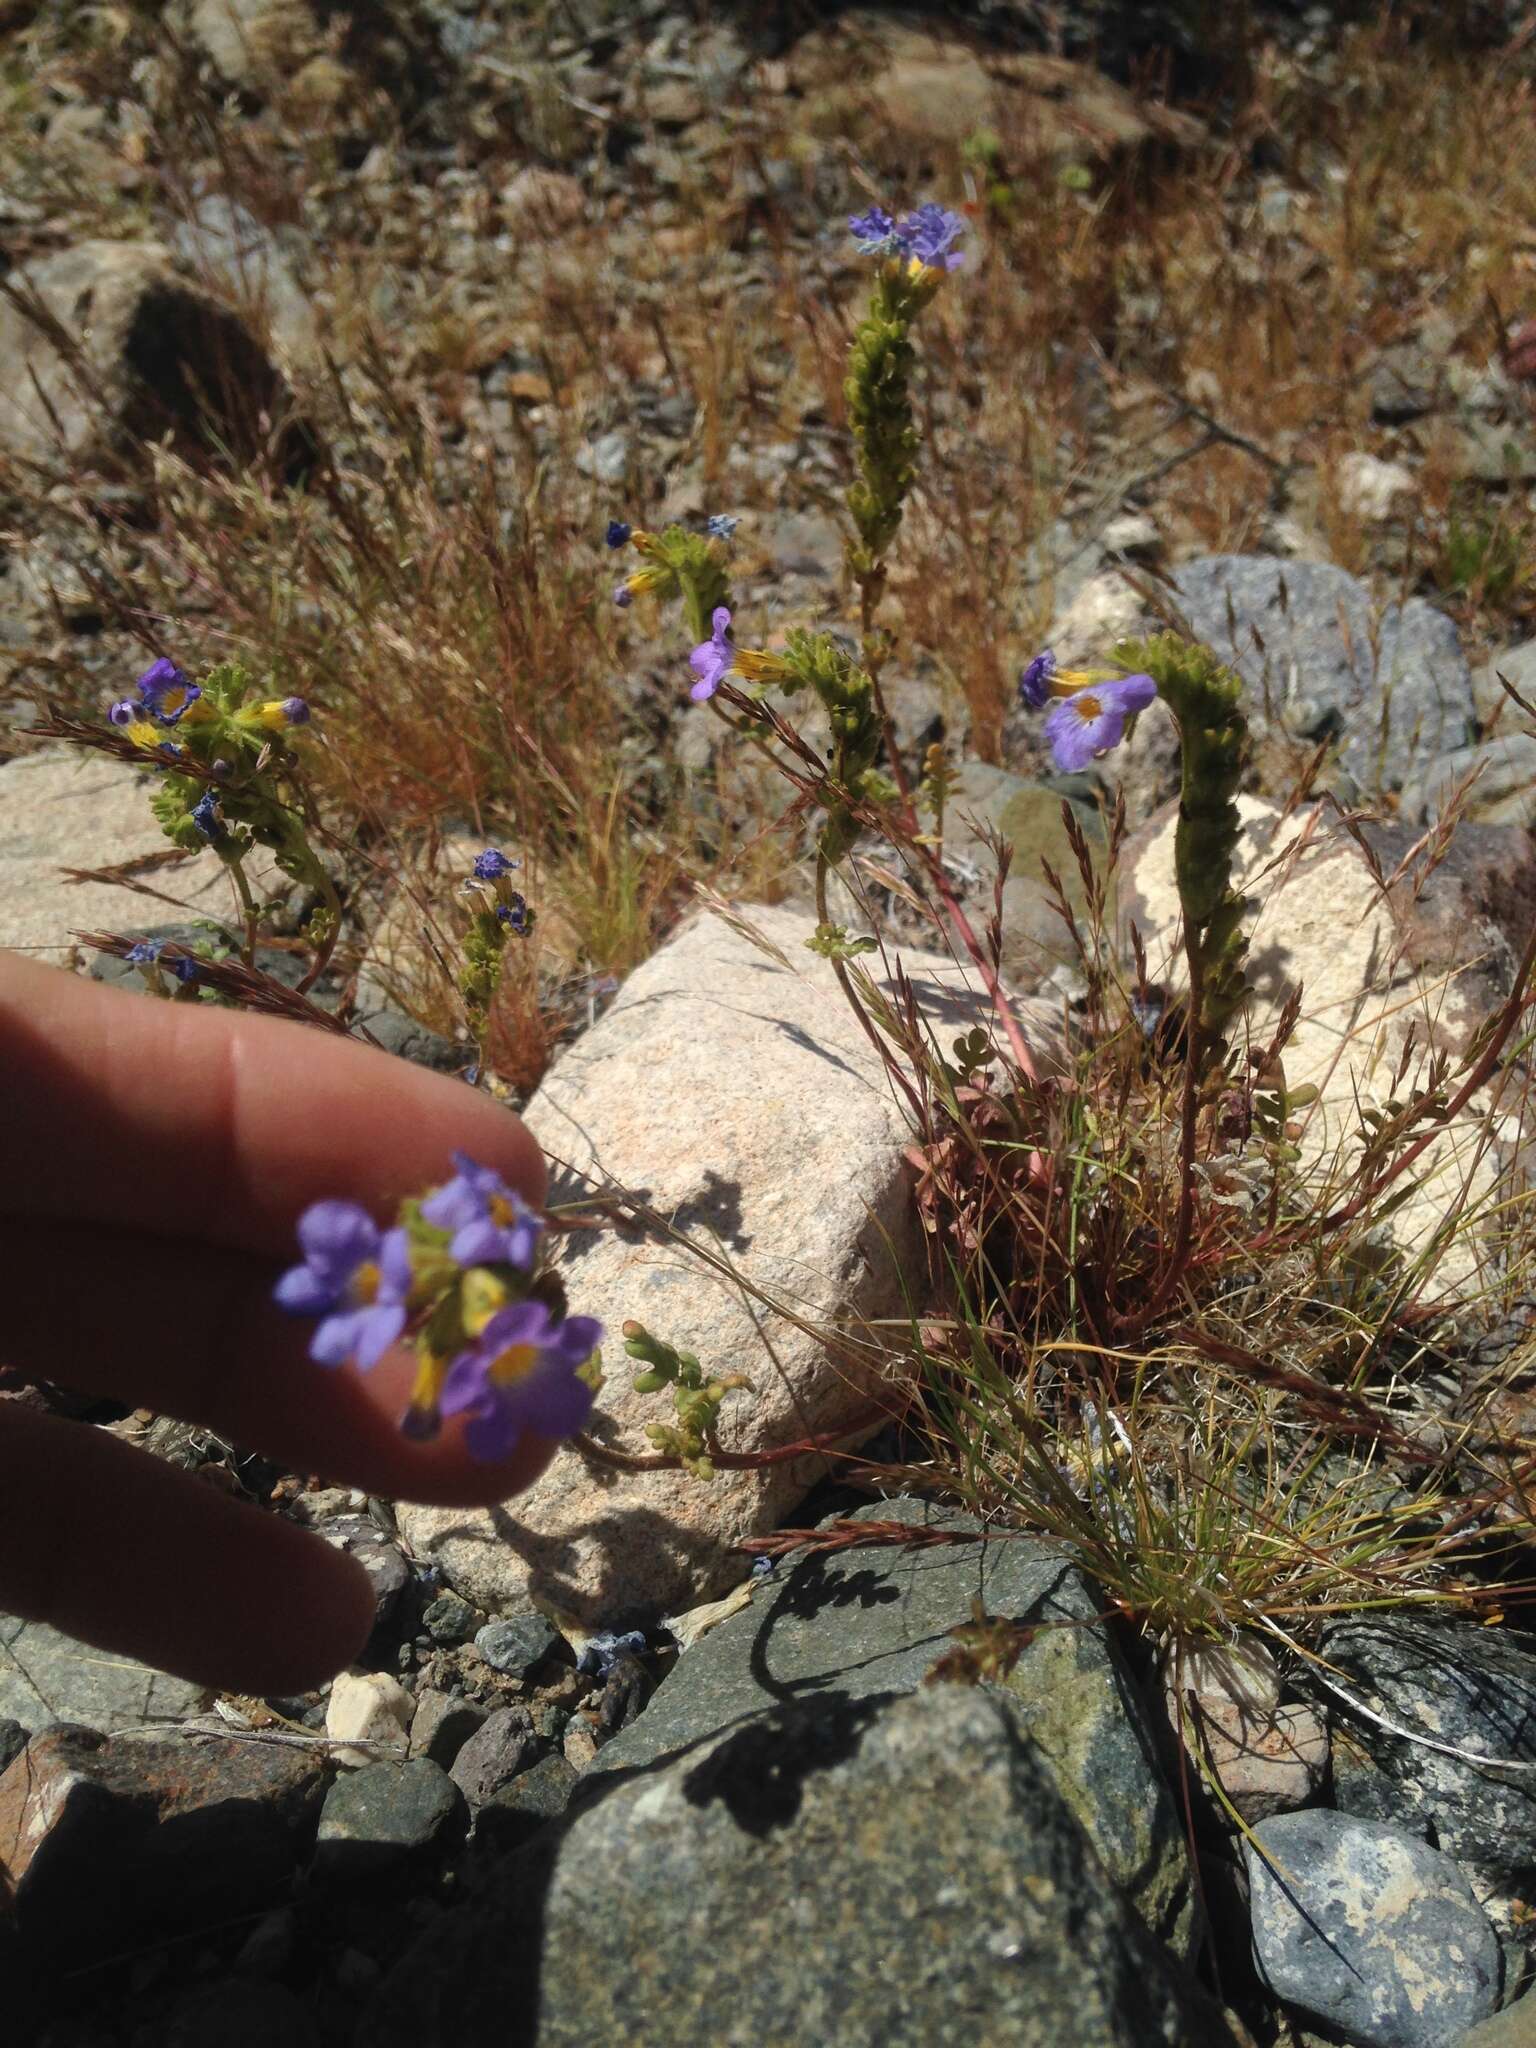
(1361, 1926)
(442, 1724)
(522, 1806)
(394, 1031)
(448, 1619)
(238, 2012)
(497, 1751)
(388, 1572)
(1389, 681)
(1472, 1688)
(47, 1678)
(1027, 815)
(1407, 380)
(380, 1820)
(1504, 792)
(13, 1740)
(108, 1840)
(901, 1873)
(517, 1645)
(858, 1623)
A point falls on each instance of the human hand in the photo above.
(154, 1158)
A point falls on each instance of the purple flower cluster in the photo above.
(208, 818)
(1092, 720)
(520, 1376)
(164, 695)
(516, 1374)
(618, 533)
(355, 1277)
(490, 1222)
(146, 953)
(924, 237)
(712, 660)
(1090, 711)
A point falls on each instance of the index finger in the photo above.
(188, 1120)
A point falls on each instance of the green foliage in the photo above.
(1204, 697)
(1483, 557)
(832, 942)
(878, 390)
(684, 565)
(696, 1396)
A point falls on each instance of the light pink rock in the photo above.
(736, 1091)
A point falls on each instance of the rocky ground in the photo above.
(335, 340)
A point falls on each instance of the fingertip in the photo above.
(320, 1630)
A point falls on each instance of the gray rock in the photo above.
(606, 459)
(13, 1740)
(1515, 2027)
(1407, 380)
(62, 809)
(397, 1032)
(1504, 792)
(517, 1644)
(442, 1724)
(251, 264)
(379, 1821)
(149, 354)
(1390, 682)
(1027, 815)
(250, 40)
(449, 1620)
(499, 1748)
(238, 2013)
(1518, 666)
(871, 1872)
(388, 1572)
(520, 1808)
(110, 1839)
(1495, 451)
(1362, 1927)
(854, 1624)
(1472, 1688)
(47, 1678)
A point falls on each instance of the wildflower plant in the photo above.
(458, 1276)
(498, 915)
(227, 780)
(1112, 1225)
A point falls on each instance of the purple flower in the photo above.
(146, 953)
(925, 236)
(711, 660)
(490, 866)
(124, 712)
(206, 817)
(623, 596)
(355, 1277)
(521, 1376)
(720, 525)
(1091, 721)
(922, 237)
(514, 914)
(491, 1223)
(1034, 683)
(618, 533)
(875, 232)
(295, 711)
(165, 692)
